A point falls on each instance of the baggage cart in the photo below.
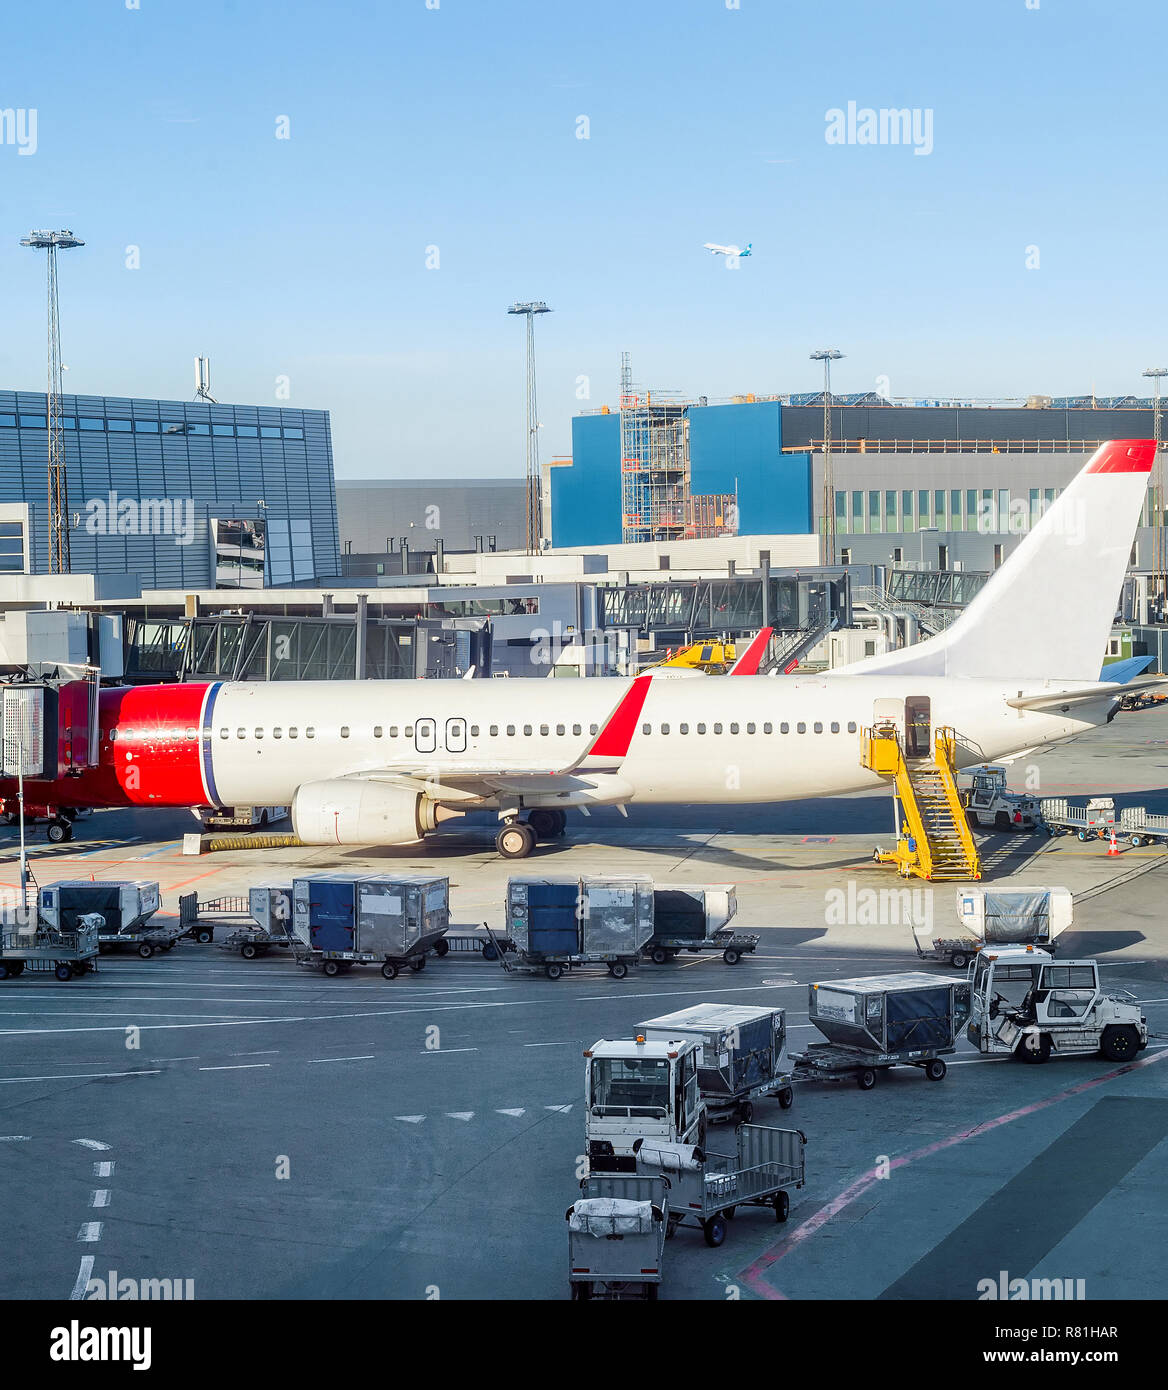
(993, 916)
(1142, 827)
(616, 1236)
(342, 920)
(472, 941)
(559, 924)
(43, 949)
(733, 946)
(694, 917)
(1095, 821)
(506, 951)
(706, 1187)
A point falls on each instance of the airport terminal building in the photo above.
(185, 494)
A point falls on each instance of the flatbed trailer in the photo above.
(839, 1062)
(64, 953)
(616, 1237)
(467, 941)
(146, 940)
(554, 964)
(252, 942)
(1142, 827)
(706, 1187)
(733, 946)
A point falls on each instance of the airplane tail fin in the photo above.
(746, 248)
(1046, 613)
(749, 660)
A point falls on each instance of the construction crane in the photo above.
(59, 562)
(534, 500)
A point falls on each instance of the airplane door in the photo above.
(425, 737)
(455, 736)
(917, 727)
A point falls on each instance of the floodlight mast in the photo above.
(534, 488)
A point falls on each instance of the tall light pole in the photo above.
(59, 562)
(1158, 557)
(827, 356)
(534, 519)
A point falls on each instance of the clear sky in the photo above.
(456, 127)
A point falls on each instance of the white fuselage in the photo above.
(707, 740)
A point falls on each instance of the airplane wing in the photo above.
(1103, 690)
(748, 663)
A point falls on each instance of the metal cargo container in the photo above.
(691, 911)
(618, 914)
(270, 907)
(890, 1013)
(398, 915)
(323, 910)
(741, 1047)
(1015, 916)
(124, 904)
(543, 915)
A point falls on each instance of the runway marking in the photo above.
(15, 1138)
(367, 1058)
(82, 1281)
(91, 1231)
(410, 1119)
(562, 1109)
(460, 1114)
(752, 1275)
(103, 1170)
(265, 1052)
(550, 1044)
(78, 1076)
(100, 1197)
(515, 1113)
(436, 1051)
(242, 1066)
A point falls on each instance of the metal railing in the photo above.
(948, 446)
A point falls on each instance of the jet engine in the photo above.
(358, 812)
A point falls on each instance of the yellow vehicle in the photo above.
(713, 657)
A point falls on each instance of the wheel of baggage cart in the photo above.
(14, 968)
(5, 970)
(248, 951)
(959, 960)
(1082, 834)
(203, 935)
(746, 1112)
(553, 971)
(714, 1230)
(417, 963)
(1136, 842)
(731, 956)
(866, 1078)
(145, 950)
(64, 970)
(935, 1068)
(489, 952)
(332, 967)
(658, 955)
(618, 969)
(786, 1098)
(441, 947)
(389, 970)
(782, 1205)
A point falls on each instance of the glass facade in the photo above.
(148, 479)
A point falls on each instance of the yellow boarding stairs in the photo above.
(935, 840)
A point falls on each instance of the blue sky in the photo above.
(456, 127)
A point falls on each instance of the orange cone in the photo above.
(1113, 847)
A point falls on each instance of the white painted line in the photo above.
(77, 1076)
(434, 1051)
(460, 1114)
(367, 1058)
(82, 1281)
(100, 1197)
(410, 1119)
(243, 1066)
(267, 1052)
(91, 1231)
(515, 1113)
(193, 1058)
(14, 1138)
(103, 1170)
(96, 1143)
(563, 1109)
(555, 1044)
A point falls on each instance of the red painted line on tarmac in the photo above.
(752, 1275)
(170, 887)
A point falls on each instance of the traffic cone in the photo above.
(1113, 847)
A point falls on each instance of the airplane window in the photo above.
(701, 728)
(750, 728)
(527, 731)
(409, 731)
(683, 728)
(646, 728)
(543, 730)
(560, 731)
(767, 728)
(393, 731)
(577, 730)
(310, 732)
(510, 730)
(192, 733)
(851, 726)
(494, 731)
(801, 728)
(223, 733)
(277, 733)
(377, 731)
(818, 728)
(717, 728)
(834, 727)
(733, 728)
(113, 733)
(784, 727)
(344, 731)
(241, 733)
(259, 733)
(474, 731)
(292, 731)
(594, 729)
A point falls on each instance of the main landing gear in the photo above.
(516, 839)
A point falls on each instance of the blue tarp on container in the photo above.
(554, 925)
(918, 1018)
(331, 909)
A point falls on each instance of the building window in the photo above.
(922, 507)
(846, 556)
(939, 507)
(955, 509)
(971, 509)
(873, 511)
(890, 510)
(857, 511)
(841, 511)
(898, 554)
(906, 510)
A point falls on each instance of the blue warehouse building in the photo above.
(178, 494)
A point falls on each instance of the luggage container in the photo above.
(560, 923)
(616, 1236)
(341, 920)
(993, 916)
(880, 1021)
(269, 911)
(742, 1054)
(125, 906)
(694, 917)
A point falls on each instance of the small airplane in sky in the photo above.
(715, 250)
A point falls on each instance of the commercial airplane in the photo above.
(381, 763)
(716, 250)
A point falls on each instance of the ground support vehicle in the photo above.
(616, 1236)
(733, 946)
(990, 805)
(44, 949)
(706, 1188)
(1026, 1005)
(1095, 821)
